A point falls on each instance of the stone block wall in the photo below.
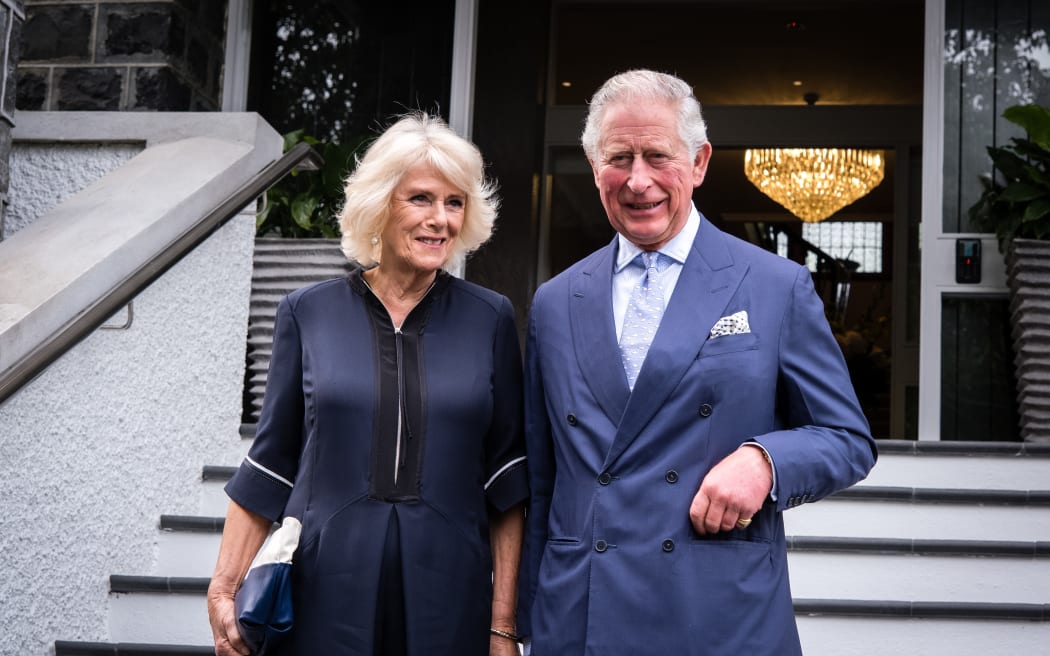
(121, 55)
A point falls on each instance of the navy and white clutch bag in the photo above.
(263, 603)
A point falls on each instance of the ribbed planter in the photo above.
(280, 267)
(1028, 275)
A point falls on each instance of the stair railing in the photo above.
(25, 369)
(834, 275)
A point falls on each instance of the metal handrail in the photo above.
(841, 274)
(90, 318)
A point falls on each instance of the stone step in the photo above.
(188, 546)
(160, 610)
(864, 511)
(919, 578)
(300, 271)
(930, 517)
(959, 571)
(827, 627)
(844, 635)
(214, 501)
(821, 635)
(970, 465)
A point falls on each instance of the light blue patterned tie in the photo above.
(644, 310)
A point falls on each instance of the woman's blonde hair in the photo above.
(417, 138)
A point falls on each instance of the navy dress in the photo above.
(392, 446)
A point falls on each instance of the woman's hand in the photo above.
(242, 535)
(223, 618)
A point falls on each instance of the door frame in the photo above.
(937, 246)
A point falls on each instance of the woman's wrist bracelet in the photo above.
(505, 634)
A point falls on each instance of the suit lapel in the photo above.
(594, 334)
(708, 281)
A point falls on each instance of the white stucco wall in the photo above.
(116, 432)
(45, 174)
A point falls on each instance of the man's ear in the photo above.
(594, 170)
(700, 162)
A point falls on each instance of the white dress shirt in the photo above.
(625, 277)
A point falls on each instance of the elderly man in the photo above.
(683, 389)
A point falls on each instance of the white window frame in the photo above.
(238, 56)
(464, 47)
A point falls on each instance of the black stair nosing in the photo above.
(217, 473)
(159, 584)
(192, 523)
(963, 448)
(982, 496)
(960, 610)
(76, 648)
(919, 547)
(873, 608)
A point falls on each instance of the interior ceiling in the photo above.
(748, 52)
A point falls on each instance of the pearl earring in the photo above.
(375, 240)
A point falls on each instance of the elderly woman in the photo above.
(392, 425)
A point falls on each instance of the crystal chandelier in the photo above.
(814, 183)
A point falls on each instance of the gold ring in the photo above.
(743, 522)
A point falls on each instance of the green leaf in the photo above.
(1034, 119)
(1035, 153)
(1021, 192)
(1008, 163)
(1036, 210)
(302, 211)
(292, 138)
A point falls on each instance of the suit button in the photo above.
(705, 410)
(671, 476)
(600, 546)
(605, 478)
(668, 545)
(572, 419)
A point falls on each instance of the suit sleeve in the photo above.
(507, 482)
(826, 444)
(539, 446)
(263, 482)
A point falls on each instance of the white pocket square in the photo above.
(734, 324)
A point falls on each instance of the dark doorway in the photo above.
(751, 63)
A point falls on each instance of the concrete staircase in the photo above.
(944, 549)
(164, 612)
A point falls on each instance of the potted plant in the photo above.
(1015, 205)
(304, 204)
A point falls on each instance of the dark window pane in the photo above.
(978, 388)
(993, 59)
(578, 224)
(911, 412)
(340, 69)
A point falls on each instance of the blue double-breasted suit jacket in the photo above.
(612, 564)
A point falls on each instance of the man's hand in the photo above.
(734, 489)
